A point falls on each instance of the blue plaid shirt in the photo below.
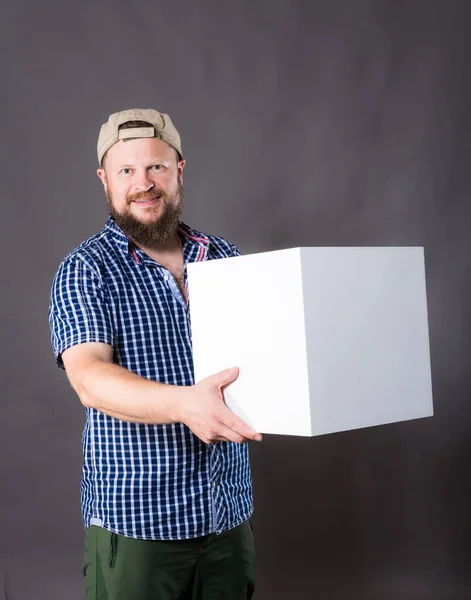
(145, 481)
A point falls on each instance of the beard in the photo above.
(150, 234)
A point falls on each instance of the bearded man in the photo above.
(166, 485)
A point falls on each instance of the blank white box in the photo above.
(326, 339)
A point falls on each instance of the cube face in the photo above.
(327, 339)
(247, 311)
(367, 336)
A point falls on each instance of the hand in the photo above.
(204, 411)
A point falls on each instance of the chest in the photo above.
(149, 318)
(176, 268)
(174, 263)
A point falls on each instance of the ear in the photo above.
(181, 164)
(102, 175)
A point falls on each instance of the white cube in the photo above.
(326, 339)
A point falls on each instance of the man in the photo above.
(166, 483)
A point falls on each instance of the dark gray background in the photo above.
(303, 123)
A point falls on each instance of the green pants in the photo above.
(213, 567)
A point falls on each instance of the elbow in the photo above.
(81, 392)
(86, 400)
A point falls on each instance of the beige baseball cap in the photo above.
(162, 127)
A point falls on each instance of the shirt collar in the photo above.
(190, 238)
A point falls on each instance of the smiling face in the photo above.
(144, 188)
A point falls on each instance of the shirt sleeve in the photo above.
(78, 312)
(235, 250)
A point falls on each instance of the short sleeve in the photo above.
(235, 250)
(78, 312)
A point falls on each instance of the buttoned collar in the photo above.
(189, 237)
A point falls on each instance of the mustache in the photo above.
(153, 195)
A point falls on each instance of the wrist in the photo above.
(177, 402)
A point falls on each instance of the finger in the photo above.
(229, 435)
(234, 423)
(226, 435)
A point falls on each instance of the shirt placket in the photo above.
(215, 489)
(173, 285)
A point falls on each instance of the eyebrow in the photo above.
(152, 162)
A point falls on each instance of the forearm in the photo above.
(118, 392)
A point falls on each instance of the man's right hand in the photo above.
(203, 410)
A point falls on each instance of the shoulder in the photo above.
(218, 246)
(89, 256)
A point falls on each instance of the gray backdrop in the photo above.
(303, 123)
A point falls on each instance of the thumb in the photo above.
(227, 376)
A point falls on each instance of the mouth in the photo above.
(147, 201)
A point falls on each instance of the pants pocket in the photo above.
(113, 549)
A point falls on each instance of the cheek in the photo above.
(119, 194)
(172, 184)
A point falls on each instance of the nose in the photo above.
(142, 181)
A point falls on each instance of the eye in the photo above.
(156, 167)
(125, 171)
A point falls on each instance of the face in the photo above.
(144, 189)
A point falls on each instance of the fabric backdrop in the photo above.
(304, 123)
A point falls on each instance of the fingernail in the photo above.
(258, 438)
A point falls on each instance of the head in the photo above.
(143, 180)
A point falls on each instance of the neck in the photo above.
(170, 247)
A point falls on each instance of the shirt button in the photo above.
(166, 277)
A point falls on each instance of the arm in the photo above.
(117, 392)
(114, 390)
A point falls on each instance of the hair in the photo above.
(134, 125)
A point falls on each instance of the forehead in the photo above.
(139, 151)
